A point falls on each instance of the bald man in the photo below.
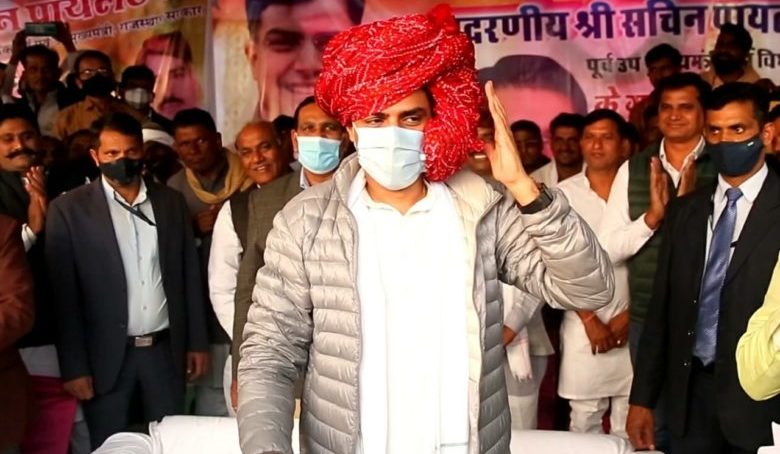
(259, 149)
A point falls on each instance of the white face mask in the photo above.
(391, 155)
(138, 98)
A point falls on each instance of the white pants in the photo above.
(524, 396)
(586, 415)
(227, 379)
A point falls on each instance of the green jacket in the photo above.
(642, 266)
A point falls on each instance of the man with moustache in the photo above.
(319, 142)
(95, 79)
(259, 150)
(565, 133)
(126, 286)
(211, 175)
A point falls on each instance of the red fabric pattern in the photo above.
(373, 66)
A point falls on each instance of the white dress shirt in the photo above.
(547, 174)
(414, 365)
(224, 260)
(624, 237)
(147, 305)
(750, 189)
(674, 173)
(584, 375)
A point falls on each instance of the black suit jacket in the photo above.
(665, 354)
(90, 289)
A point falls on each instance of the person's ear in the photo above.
(352, 134)
(94, 154)
(768, 134)
(294, 141)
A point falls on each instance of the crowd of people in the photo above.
(397, 257)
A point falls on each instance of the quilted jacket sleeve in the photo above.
(553, 255)
(276, 342)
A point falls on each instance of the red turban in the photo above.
(371, 67)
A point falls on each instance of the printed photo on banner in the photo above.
(168, 36)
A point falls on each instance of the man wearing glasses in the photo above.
(95, 79)
(285, 47)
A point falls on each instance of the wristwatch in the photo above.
(543, 201)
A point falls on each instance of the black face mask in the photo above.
(98, 86)
(725, 63)
(124, 170)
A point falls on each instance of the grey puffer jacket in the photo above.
(306, 310)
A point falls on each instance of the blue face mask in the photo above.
(733, 159)
(391, 155)
(318, 155)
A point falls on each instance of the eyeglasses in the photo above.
(87, 73)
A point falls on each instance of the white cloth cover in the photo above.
(214, 435)
(127, 443)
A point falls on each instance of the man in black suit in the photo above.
(716, 261)
(127, 288)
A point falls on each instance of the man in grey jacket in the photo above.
(383, 284)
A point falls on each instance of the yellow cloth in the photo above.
(758, 351)
(235, 180)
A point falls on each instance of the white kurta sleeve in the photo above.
(224, 260)
(621, 237)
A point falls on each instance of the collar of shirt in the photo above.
(750, 187)
(358, 193)
(109, 191)
(304, 182)
(697, 151)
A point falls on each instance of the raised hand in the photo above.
(504, 158)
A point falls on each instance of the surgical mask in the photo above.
(124, 170)
(98, 86)
(391, 155)
(138, 98)
(318, 155)
(733, 159)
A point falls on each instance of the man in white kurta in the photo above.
(596, 368)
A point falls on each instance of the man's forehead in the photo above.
(313, 112)
(317, 16)
(16, 125)
(255, 133)
(92, 63)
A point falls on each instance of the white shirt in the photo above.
(624, 237)
(750, 189)
(414, 363)
(547, 174)
(224, 260)
(674, 173)
(147, 305)
(584, 375)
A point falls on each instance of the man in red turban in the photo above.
(382, 285)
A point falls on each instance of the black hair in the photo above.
(661, 52)
(567, 120)
(611, 115)
(741, 35)
(137, 72)
(683, 80)
(91, 53)
(15, 111)
(527, 125)
(119, 122)
(255, 9)
(309, 100)
(283, 123)
(536, 71)
(774, 114)
(740, 92)
(194, 117)
(52, 57)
